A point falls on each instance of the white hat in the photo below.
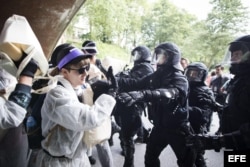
(17, 37)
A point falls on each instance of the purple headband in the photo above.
(74, 53)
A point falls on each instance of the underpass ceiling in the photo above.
(48, 18)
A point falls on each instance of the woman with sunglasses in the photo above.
(65, 118)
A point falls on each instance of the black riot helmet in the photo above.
(238, 51)
(167, 54)
(196, 72)
(238, 55)
(141, 54)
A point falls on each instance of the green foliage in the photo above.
(227, 16)
(118, 26)
(222, 25)
(107, 50)
(114, 51)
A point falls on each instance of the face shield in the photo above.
(160, 57)
(235, 53)
(135, 56)
(194, 74)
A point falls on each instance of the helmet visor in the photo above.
(135, 56)
(194, 74)
(160, 56)
(234, 53)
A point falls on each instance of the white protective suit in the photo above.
(64, 120)
(16, 38)
(11, 114)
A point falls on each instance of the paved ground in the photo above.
(167, 157)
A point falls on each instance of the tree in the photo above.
(129, 23)
(168, 23)
(224, 23)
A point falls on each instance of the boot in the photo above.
(92, 160)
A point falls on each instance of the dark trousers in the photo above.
(159, 139)
(129, 121)
(14, 149)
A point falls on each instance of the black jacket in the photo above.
(165, 114)
(199, 112)
(138, 71)
(236, 116)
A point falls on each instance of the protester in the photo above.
(95, 74)
(216, 85)
(65, 118)
(21, 59)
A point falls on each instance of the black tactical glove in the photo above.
(205, 142)
(114, 85)
(99, 87)
(30, 69)
(129, 98)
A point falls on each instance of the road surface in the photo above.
(167, 157)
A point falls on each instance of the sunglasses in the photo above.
(81, 70)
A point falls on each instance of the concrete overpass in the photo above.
(48, 18)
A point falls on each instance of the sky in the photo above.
(200, 8)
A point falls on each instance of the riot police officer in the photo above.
(236, 115)
(167, 90)
(130, 116)
(199, 110)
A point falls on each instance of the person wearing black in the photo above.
(236, 115)
(217, 83)
(141, 55)
(167, 90)
(199, 112)
(98, 79)
(129, 119)
(220, 96)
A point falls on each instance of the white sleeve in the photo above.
(11, 114)
(64, 109)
